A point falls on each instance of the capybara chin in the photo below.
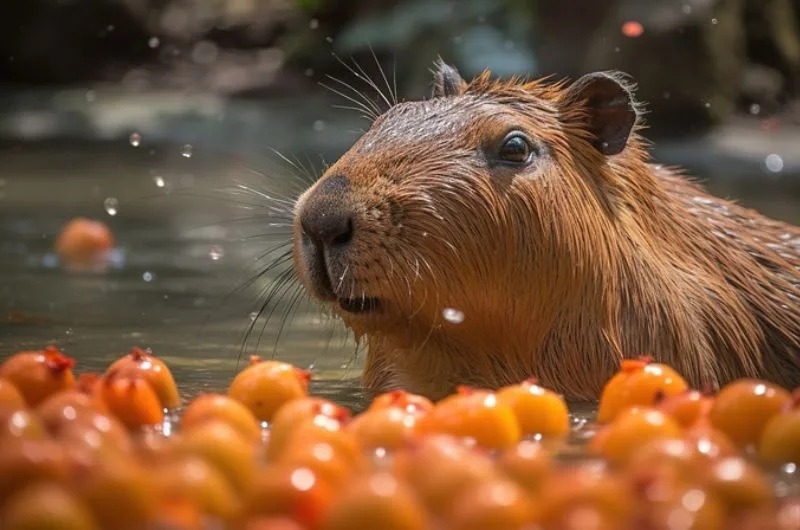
(507, 229)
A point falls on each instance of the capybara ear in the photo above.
(609, 109)
(446, 80)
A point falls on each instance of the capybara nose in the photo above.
(326, 218)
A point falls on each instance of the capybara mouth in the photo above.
(359, 305)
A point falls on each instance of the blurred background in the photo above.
(188, 126)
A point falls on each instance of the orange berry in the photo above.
(178, 514)
(119, 493)
(264, 386)
(46, 506)
(377, 500)
(740, 484)
(38, 374)
(192, 479)
(538, 410)
(294, 492)
(272, 523)
(328, 431)
(224, 447)
(686, 408)
(438, 467)
(290, 416)
(25, 461)
(583, 517)
(70, 402)
(664, 460)
(90, 384)
(132, 400)
(780, 438)
(711, 443)
(607, 498)
(84, 243)
(221, 407)
(86, 434)
(528, 464)
(20, 423)
(139, 363)
(639, 382)
(498, 503)
(632, 428)
(476, 414)
(742, 409)
(682, 505)
(328, 462)
(9, 395)
(386, 427)
(413, 403)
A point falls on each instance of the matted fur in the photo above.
(561, 269)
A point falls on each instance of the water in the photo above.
(178, 257)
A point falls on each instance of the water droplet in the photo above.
(632, 29)
(313, 23)
(160, 182)
(135, 139)
(774, 163)
(68, 332)
(215, 252)
(110, 28)
(329, 40)
(111, 204)
(687, 9)
(666, 95)
(148, 276)
(454, 316)
(186, 151)
(755, 109)
(91, 95)
(309, 72)
(253, 316)
(714, 21)
(154, 42)
(458, 39)
(707, 105)
(319, 125)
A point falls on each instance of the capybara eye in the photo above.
(515, 149)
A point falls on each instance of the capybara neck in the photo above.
(507, 229)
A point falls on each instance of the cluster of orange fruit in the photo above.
(111, 451)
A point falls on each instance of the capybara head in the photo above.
(430, 227)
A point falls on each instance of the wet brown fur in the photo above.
(561, 269)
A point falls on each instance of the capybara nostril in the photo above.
(328, 229)
(327, 218)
